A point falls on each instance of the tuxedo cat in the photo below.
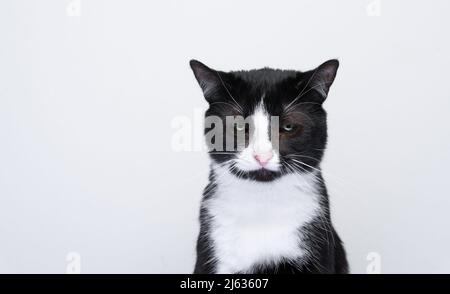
(266, 209)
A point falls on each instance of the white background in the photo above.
(87, 99)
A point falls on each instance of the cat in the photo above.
(266, 209)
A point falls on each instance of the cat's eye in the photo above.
(288, 127)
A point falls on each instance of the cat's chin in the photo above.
(260, 175)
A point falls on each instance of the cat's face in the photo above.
(262, 124)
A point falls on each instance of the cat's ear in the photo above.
(323, 76)
(208, 79)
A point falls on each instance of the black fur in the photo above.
(303, 94)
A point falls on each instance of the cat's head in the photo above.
(262, 124)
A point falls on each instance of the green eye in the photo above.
(288, 127)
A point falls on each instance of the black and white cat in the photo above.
(266, 209)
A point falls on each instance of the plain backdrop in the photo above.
(89, 90)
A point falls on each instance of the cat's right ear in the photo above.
(208, 79)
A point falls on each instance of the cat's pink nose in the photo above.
(263, 158)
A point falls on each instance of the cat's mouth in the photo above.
(260, 175)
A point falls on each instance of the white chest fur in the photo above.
(259, 223)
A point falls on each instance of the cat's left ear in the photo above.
(323, 76)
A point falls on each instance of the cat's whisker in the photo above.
(324, 224)
(222, 164)
(340, 187)
(301, 155)
(307, 165)
(229, 93)
(226, 103)
(291, 105)
(299, 95)
(306, 102)
(334, 178)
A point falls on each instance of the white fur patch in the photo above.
(259, 222)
